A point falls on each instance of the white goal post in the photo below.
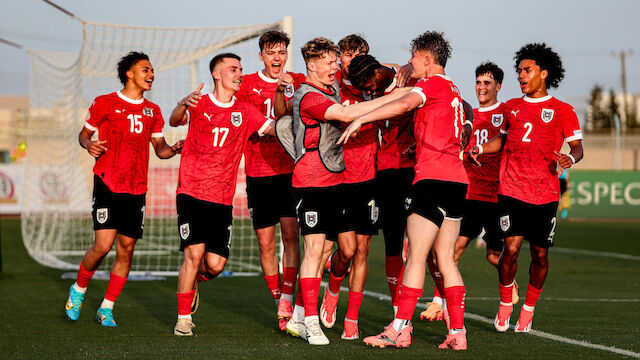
(56, 216)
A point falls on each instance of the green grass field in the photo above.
(588, 297)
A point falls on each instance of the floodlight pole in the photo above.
(287, 27)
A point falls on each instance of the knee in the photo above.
(540, 259)
(290, 236)
(267, 244)
(216, 267)
(511, 251)
(347, 252)
(102, 249)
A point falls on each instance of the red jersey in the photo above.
(536, 128)
(395, 137)
(127, 125)
(438, 128)
(264, 156)
(488, 123)
(309, 170)
(359, 151)
(218, 133)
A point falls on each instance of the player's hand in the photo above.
(97, 148)
(350, 131)
(191, 100)
(472, 155)
(564, 161)
(404, 75)
(284, 80)
(467, 129)
(177, 147)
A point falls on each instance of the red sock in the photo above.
(335, 283)
(353, 307)
(310, 289)
(439, 284)
(393, 266)
(407, 301)
(84, 276)
(455, 305)
(201, 277)
(395, 296)
(532, 296)
(299, 298)
(116, 283)
(289, 275)
(273, 283)
(184, 302)
(505, 293)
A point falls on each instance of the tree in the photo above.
(612, 108)
(598, 117)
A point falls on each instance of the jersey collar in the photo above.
(443, 76)
(393, 83)
(221, 104)
(536, 100)
(489, 108)
(129, 100)
(265, 78)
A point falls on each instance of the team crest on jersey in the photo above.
(148, 112)
(185, 231)
(311, 218)
(505, 222)
(288, 91)
(547, 115)
(236, 118)
(496, 119)
(102, 215)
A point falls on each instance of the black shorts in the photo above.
(270, 198)
(361, 211)
(393, 189)
(537, 223)
(319, 210)
(204, 222)
(121, 211)
(480, 215)
(437, 200)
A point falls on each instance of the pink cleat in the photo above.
(328, 308)
(391, 337)
(525, 320)
(350, 330)
(455, 341)
(501, 322)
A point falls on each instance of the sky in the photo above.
(584, 33)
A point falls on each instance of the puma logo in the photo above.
(207, 116)
(515, 113)
(258, 91)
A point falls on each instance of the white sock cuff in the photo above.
(347, 319)
(528, 308)
(506, 304)
(288, 297)
(185, 317)
(79, 289)
(512, 283)
(437, 300)
(106, 304)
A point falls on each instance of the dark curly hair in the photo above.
(544, 57)
(488, 67)
(272, 38)
(435, 43)
(126, 63)
(361, 69)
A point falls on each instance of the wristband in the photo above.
(480, 149)
(573, 160)
(468, 122)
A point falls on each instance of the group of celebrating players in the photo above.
(353, 146)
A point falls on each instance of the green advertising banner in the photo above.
(604, 194)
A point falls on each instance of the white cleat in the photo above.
(296, 328)
(315, 336)
(184, 327)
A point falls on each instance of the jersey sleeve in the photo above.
(258, 123)
(314, 106)
(241, 95)
(421, 89)
(97, 112)
(570, 126)
(158, 124)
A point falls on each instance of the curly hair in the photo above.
(272, 38)
(544, 57)
(126, 63)
(435, 43)
(354, 43)
(317, 47)
(361, 69)
(488, 67)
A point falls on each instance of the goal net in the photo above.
(56, 216)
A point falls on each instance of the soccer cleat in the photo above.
(196, 299)
(515, 293)
(105, 317)
(74, 304)
(328, 308)
(350, 331)
(501, 322)
(525, 320)
(433, 312)
(184, 327)
(315, 336)
(296, 328)
(391, 337)
(455, 341)
(285, 309)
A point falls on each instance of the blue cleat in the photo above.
(105, 317)
(74, 304)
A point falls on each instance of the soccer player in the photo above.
(395, 159)
(438, 192)
(219, 129)
(125, 122)
(537, 124)
(269, 169)
(318, 171)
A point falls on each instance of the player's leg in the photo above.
(435, 308)
(340, 261)
(507, 267)
(310, 287)
(357, 280)
(269, 260)
(290, 234)
(193, 256)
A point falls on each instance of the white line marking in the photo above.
(596, 253)
(541, 334)
(561, 299)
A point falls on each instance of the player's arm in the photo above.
(349, 113)
(163, 150)
(280, 104)
(408, 102)
(575, 154)
(95, 148)
(467, 128)
(179, 113)
(490, 147)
